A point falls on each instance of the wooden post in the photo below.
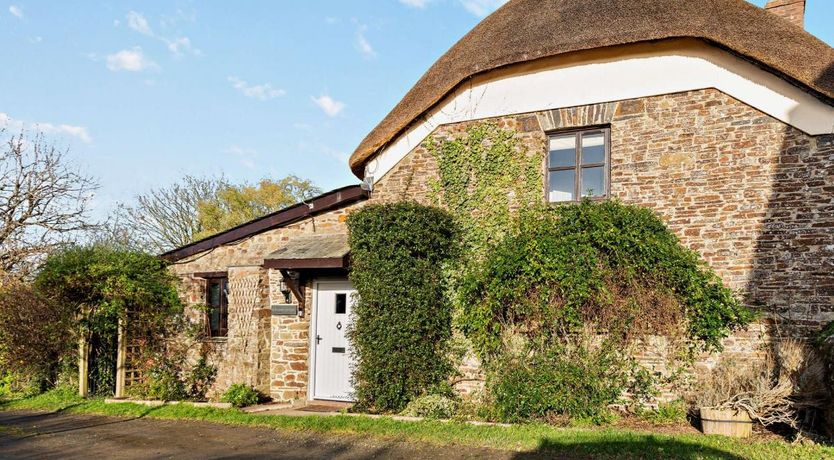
(121, 358)
(83, 356)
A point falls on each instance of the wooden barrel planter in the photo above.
(726, 422)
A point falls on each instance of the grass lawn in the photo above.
(534, 438)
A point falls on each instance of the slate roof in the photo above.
(313, 247)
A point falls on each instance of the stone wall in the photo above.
(751, 194)
(265, 351)
(754, 196)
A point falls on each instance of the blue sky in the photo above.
(145, 92)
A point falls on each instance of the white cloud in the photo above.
(79, 132)
(137, 22)
(329, 105)
(177, 45)
(415, 3)
(132, 60)
(263, 92)
(362, 43)
(245, 156)
(16, 11)
(481, 8)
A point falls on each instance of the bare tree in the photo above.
(164, 218)
(43, 201)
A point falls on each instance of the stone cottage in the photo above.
(716, 114)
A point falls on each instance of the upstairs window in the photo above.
(577, 165)
(217, 314)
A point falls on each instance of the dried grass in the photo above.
(776, 391)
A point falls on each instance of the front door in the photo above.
(333, 363)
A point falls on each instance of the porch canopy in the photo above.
(311, 252)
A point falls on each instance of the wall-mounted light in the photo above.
(285, 290)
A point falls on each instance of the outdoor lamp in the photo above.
(285, 290)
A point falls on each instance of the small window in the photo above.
(577, 165)
(217, 314)
(341, 304)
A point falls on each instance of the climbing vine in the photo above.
(538, 286)
(486, 175)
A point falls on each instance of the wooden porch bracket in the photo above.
(296, 285)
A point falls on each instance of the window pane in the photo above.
(214, 321)
(214, 293)
(341, 304)
(562, 151)
(593, 182)
(593, 148)
(561, 185)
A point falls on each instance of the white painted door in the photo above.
(333, 364)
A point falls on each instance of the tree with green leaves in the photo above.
(236, 204)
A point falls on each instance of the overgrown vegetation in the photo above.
(99, 287)
(36, 335)
(554, 299)
(778, 391)
(402, 317)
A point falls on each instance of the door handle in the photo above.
(318, 339)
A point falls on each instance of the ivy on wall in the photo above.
(401, 326)
(486, 175)
(549, 295)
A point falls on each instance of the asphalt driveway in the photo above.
(26, 435)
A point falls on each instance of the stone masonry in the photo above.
(754, 196)
(265, 351)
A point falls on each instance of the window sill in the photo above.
(214, 340)
(596, 198)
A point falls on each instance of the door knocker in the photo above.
(339, 325)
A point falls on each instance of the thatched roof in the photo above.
(526, 30)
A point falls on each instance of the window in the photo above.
(577, 165)
(341, 304)
(217, 314)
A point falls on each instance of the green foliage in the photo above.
(164, 383)
(671, 413)
(607, 265)
(432, 406)
(402, 320)
(241, 395)
(100, 286)
(579, 382)
(235, 204)
(534, 279)
(484, 175)
(200, 379)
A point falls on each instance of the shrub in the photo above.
(200, 379)
(401, 327)
(606, 265)
(670, 413)
(35, 334)
(164, 383)
(579, 382)
(432, 406)
(241, 395)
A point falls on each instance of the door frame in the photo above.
(311, 380)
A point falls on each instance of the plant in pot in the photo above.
(775, 391)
